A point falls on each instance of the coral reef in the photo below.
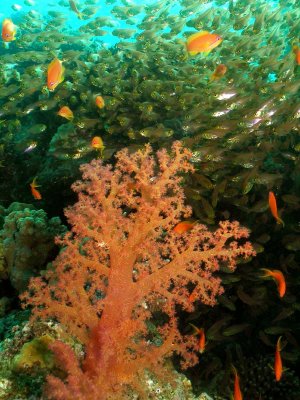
(242, 129)
(123, 262)
(27, 241)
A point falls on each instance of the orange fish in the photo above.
(183, 226)
(66, 112)
(296, 51)
(273, 207)
(97, 144)
(9, 30)
(55, 74)
(202, 42)
(237, 394)
(220, 71)
(278, 277)
(278, 361)
(99, 102)
(202, 340)
(192, 297)
(35, 193)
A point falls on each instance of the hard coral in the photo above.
(27, 240)
(123, 260)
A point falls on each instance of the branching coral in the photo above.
(121, 262)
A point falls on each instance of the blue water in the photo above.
(44, 6)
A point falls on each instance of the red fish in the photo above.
(100, 102)
(202, 339)
(220, 71)
(192, 297)
(296, 51)
(183, 227)
(8, 30)
(202, 42)
(35, 193)
(273, 208)
(278, 361)
(55, 74)
(66, 112)
(278, 277)
(237, 393)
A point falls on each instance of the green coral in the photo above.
(35, 353)
(28, 242)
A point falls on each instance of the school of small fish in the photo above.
(221, 76)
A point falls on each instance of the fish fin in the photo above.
(196, 35)
(193, 53)
(33, 183)
(271, 366)
(206, 53)
(62, 74)
(80, 15)
(196, 330)
(280, 221)
(279, 343)
(233, 369)
(267, 273)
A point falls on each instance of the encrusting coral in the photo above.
(123, 263)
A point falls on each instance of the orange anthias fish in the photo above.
(9, 30)
(183, 227)
(66, 112)
(75, 9)
(99, 102)
(278, 277)
(202, 42)
(278, 361)
(97, 144)
(296, 51)
(55, 74)
(273, 208)
(192, 297)
(202, 340)
(237, 393)
(220, 71)
(35, 193)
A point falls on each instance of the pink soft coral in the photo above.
(121, 262)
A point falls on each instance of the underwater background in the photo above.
(82, 80)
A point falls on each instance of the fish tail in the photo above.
(196, 330)
(279, 345)
(280, 221)
(267, 273)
